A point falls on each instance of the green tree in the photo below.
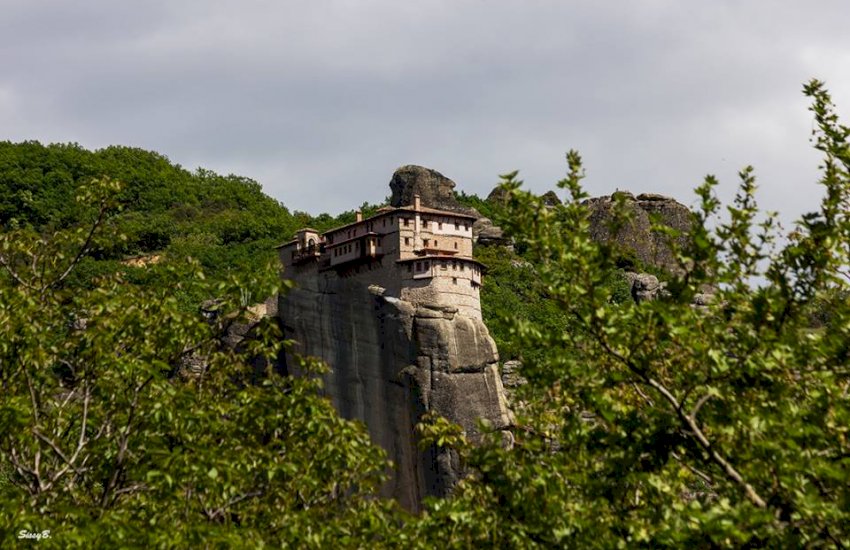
(665, 424)
(108, 440)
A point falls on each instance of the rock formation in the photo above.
(391, 362)
(487, 234)
(434, 189)
(636, 237)
(401, 340)
(550, 199)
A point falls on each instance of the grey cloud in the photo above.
(320, 101)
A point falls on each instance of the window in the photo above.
(384, 222)
(418, 266)
(454, 280)
(443, 265)
(425, 242)
(427, 265)
(436, 244)
(454, 266)
(406, 221)
(465, 226)
(407, 240)
(455, 246)
(409, 268)
(440, 225)
(457, 226)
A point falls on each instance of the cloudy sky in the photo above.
(321, 100)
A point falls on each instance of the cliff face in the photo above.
(392, 361)
(400, 341)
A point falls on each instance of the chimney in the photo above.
(359, 216)
(416, 202)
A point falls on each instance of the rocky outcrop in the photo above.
(550, 199)
(498, 196)
(434, 189)
(512, 379)
(487, 234)
(644, 286)
(393, 361)
(636, 240)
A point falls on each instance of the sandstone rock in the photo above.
(654, 197)
(498, 196)
(459, 344)
(550, 199)
(636, 239)
(434, 189)
(512, 379)
(392, 361)
(487, 234)
(470, 397)
(644, 287)
(702, 299)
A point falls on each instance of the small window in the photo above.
(407, 240)
(436, 244)
(455, 246)
(440, 225)
(427, 265)
(418, 266)
(454, 280)
(425, 242)
(443, 265)
(384, 222)
(465, 226)
(457, 226)
(406, 221)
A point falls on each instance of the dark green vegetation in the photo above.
(162, 212)
(643, 425)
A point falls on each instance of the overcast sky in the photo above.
(321, 100)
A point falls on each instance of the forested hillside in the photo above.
(665, 422)
(164, 213)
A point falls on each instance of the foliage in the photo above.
(661, 424)
(107, 440)
(656, 424)
(163, 211)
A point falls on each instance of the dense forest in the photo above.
(658, 423)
